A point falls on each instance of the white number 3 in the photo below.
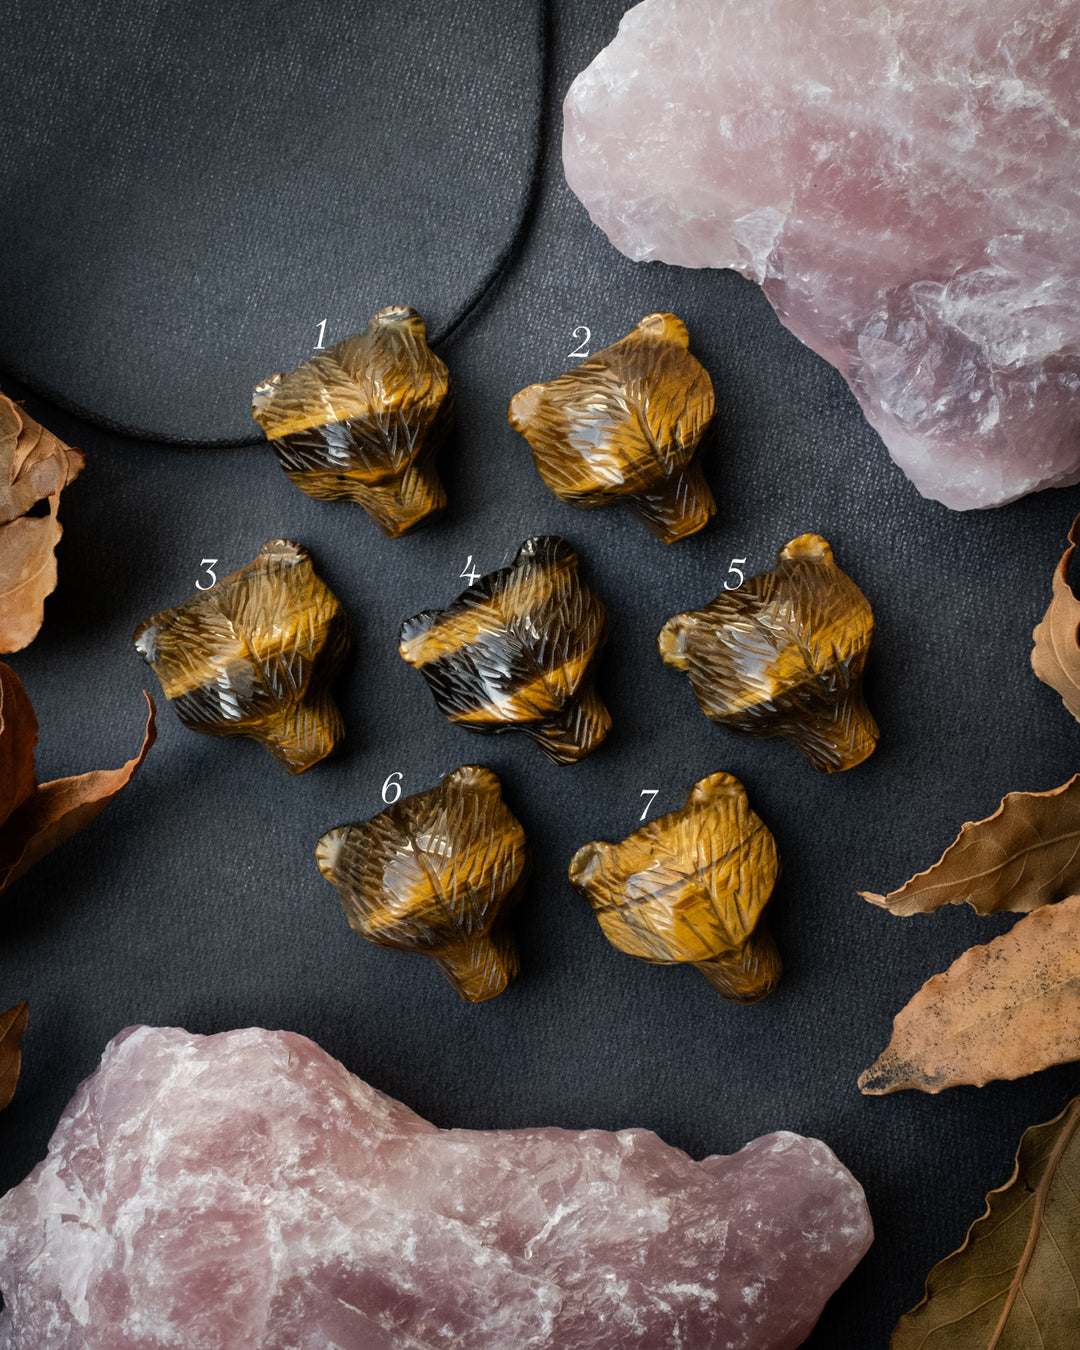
(209, 564)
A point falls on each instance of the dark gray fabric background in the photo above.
(188, 191)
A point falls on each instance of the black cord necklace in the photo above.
(502, 263)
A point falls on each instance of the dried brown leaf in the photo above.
(1002, 1010)
(45, 814)
(18, 736)
(1025, 855)
(1055, 658)
(35, 467)
(1015, 1282)
(12, 1026)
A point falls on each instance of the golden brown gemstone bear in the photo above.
(625, 425)
(362, 420)
(690, 886)
(255, 656)
(783, 655)
(437, 873)
(515, 652)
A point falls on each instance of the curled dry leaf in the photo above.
(1016, 1280)
(1025, 855)
(1055, 658)
(1002, 1010)
(35, 467)
(12, 1026)
(35, 817)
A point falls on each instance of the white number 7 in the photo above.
(651, 794)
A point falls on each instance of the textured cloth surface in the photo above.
(195, 899)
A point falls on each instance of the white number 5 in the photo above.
(734, 568)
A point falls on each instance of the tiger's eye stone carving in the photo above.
(362, 420)
(437, 873)
(625, 425)
(690, 886)
(255, 655)
(783, 655)
(515, 651)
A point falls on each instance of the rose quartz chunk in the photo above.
(901, 177)
(246, 1191)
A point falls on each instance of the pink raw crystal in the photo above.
(246, 1191)
(902, 178)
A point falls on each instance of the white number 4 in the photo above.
(651, 794)
(469, 571)
(209, 564)
(735, 568)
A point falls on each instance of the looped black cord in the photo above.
(507, 255)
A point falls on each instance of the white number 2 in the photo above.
(209, 564)
(583, 350)
(735, 568)
(651, 794)
(391, 789)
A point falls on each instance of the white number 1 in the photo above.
(322, 334)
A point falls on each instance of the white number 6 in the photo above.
(391, 789)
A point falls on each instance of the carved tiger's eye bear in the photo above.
(783, 655)
(690, 887)
(438, 873)
(515, 651)
(255, 655)
(625, 425)
(362, 421)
